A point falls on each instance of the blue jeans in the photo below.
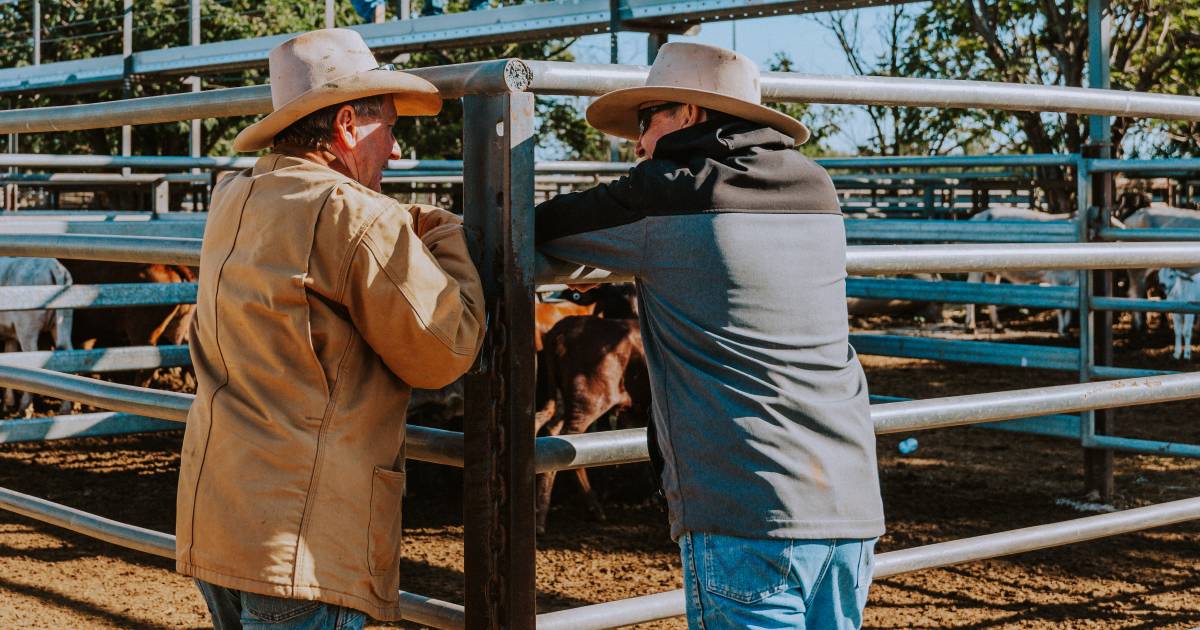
(768, 583)
(233, 610)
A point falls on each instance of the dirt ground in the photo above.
(960, 482)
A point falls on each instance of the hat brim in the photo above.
(413, 96)
(615, 113)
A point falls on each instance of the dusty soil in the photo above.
(961, 482)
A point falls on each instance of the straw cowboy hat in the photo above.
(696, 74)
(326, 67)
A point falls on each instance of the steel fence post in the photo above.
(498, 504)
(1098, 463)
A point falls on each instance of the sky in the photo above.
(810, 46)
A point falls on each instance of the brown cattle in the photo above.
(438, 406)
(593, 365)
(131, 326)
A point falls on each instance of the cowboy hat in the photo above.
(696, 74)
(327, 67)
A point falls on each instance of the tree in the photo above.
(1040, 42)
(900, 130)
(79, 29)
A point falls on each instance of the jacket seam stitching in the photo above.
(330, 405)
(224, 369)
(315, 477)
(348, 256)
(369, 244)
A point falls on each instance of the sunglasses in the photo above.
(645, 115)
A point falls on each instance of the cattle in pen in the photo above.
(1041, 278)
(19, 330)
(591, 366)
(134, 325)
(1182, 286)
(1155, 216)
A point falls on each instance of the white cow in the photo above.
(1156, 216)
(1181, 286)
(19, 330)
(1042, 278)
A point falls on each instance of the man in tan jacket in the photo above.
(322, 303)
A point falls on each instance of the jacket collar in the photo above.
(719, 137)
(274, 161)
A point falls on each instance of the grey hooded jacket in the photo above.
(759, 401)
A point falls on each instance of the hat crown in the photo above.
(704, 67)
(313, 59)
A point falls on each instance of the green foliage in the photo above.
(1155, 48)
(823, 122)
(80, 29)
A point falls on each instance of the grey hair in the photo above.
(315, 130)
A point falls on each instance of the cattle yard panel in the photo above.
(507, 266)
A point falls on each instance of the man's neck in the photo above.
(322, 157)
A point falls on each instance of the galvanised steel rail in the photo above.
(860, 260)
(100, 360)
(941, 230)
(555, 77)
(671, 604)
(134, 249)
(628, 446)
(72, 426)
(905, 259)
(33, 298)
(157, 229)
(562, 78)
(423, 610)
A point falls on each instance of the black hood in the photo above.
(724, 164)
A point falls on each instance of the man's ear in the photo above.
(693, 115)
(344, 125)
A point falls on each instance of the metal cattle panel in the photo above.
(901, 230)
(498, 504)
(985, 352)
(80, 425)
(96, 296)
(957, 292)
(100, 360)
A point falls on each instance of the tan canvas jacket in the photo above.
(321, 304)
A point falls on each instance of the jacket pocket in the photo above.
(746, 570)
(383, 531)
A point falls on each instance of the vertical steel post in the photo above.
(127, 79)
(498, 503)
(330, 20)
(10, 189)
(37, 32)
(194, 134)
(1098, 463)
(654, 41)
(614, 27)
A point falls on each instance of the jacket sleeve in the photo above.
(414, 294)
(599, 227)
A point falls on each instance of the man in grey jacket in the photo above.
(761, 414)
